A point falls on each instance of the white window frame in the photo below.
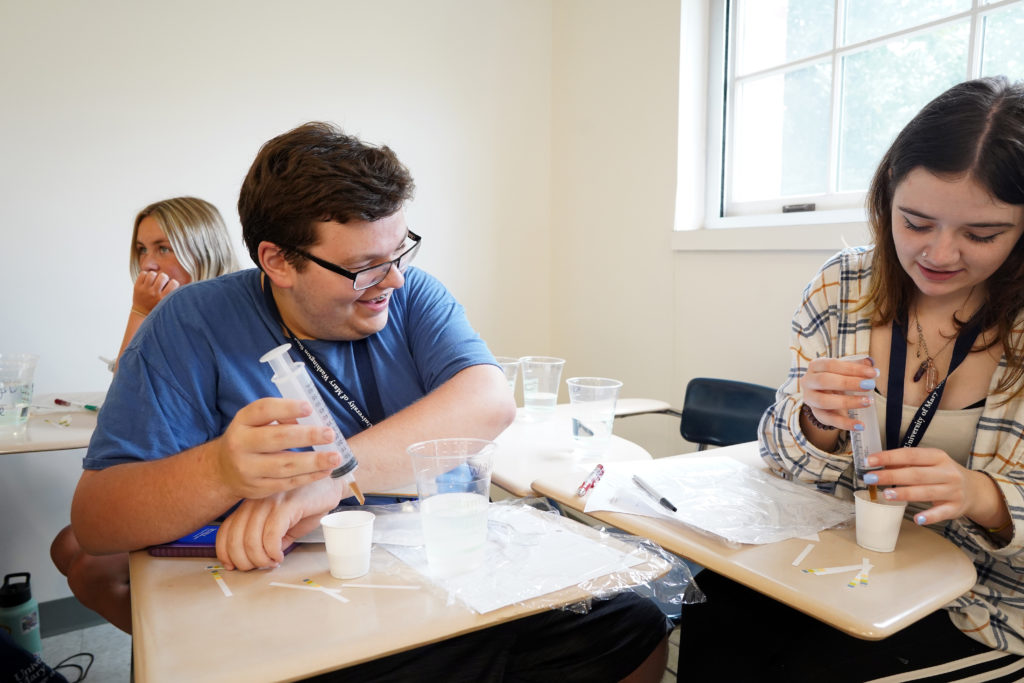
(823, 229)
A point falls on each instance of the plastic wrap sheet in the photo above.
(534, 554)
(721, 496)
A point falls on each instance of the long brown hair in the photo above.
(975, 129)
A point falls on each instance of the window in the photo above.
(810, 94)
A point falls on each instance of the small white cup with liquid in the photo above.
(348, 536)
(878, 522)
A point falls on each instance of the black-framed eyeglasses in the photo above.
(372, 275)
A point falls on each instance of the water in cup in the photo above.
(593, 410)
(540, 383)
(510, 366)
(454, 531)
(453, 480)
(538, 401)
(16, 385)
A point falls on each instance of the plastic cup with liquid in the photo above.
(510, 366)
(16, 384)
(453, 481)
(592, 400)
(541, 376)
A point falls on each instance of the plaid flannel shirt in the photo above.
(993, 611)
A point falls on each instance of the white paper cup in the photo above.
(348, 537)
(878, 523)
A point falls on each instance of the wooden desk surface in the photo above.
(924, 572)
(531, 449)
(186, 629)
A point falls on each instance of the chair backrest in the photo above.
(722, 412)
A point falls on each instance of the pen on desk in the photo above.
(75, 404)
(646, 488)
(592, 479)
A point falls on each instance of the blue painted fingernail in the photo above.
(867, 384)
(890, 494)
(870, 478)
(920, 519)
(858, 427)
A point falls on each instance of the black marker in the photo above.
(646, 488)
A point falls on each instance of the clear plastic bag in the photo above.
(534, 554)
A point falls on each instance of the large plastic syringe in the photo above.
(867, 441)
(293, 381)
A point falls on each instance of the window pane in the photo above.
(867, 19)
(782, 134)
(773, 32)
(884, 87)
(1001, 51)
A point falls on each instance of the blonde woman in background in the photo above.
(174, 242)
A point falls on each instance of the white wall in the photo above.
(542, 134)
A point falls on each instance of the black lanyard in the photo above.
(897, 369)
(364, 369)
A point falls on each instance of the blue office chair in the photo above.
(723, 412)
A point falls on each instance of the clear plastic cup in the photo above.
(16, 385)
(541, 375)
(593, 411)
(453, 480)
(510, 366)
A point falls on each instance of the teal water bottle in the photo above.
(19, 612)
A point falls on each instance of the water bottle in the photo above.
(19, 612)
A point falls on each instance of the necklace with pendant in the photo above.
(927, 369)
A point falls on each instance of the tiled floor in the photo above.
(111, 649)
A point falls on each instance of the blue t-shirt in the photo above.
(195, 362)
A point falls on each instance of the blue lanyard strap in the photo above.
(897, 369)
(364, 369)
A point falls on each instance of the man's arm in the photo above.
(475, 402)
(132, 505)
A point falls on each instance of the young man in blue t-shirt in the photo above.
(189, 431)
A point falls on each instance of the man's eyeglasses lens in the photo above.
(375, 274)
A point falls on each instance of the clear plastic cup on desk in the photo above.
(593, 411)
(453, 480)
(541, 375)
(16, 384)
(510, 366)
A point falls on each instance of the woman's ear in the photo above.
(275, 265)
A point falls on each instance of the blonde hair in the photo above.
(197, 234)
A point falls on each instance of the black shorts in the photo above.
(558, 646)
(741, 635)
